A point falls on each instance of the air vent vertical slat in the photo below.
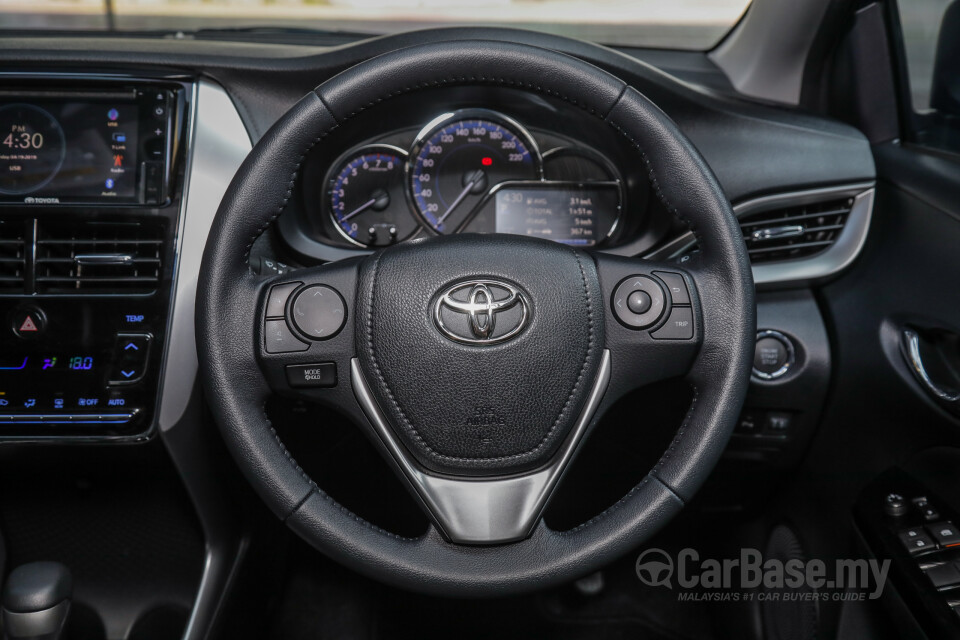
(98, 258)
(798, 231)
(13, 260)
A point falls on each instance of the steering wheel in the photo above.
(477, 364)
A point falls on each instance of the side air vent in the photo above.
(13, 259)
(98, 257)
(794, 232)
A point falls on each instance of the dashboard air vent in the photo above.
(98, 257)
(12, 256)
(798, 231)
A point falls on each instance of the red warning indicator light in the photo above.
(28, 325)
(487, 162)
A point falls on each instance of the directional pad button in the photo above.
(638, 302)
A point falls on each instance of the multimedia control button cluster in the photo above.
(640, 302)
(315, 312)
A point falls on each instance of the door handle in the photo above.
(910, 346)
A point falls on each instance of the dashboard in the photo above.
(96, 267)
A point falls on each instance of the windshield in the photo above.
(674, 24)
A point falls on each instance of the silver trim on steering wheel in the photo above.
(484, 510)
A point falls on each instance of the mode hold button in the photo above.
(323, 374)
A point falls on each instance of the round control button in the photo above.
(772, 355)
(638, 302)
(319, 312)
(29, 322)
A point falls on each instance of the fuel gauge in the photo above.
(366, 199)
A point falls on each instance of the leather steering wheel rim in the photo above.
(227, 310)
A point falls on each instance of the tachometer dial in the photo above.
(366, 196)
(459, 157)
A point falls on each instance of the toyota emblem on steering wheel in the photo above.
(481, 312)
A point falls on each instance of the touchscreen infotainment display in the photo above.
(79, 148)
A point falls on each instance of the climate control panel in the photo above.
(76, 367)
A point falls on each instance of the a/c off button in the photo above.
(323, 374)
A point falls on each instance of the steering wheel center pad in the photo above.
(486, 406)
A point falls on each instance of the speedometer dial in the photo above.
(458, 158)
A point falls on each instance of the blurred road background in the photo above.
(671, 24)
(685, 24)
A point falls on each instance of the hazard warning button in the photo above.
(29, 322)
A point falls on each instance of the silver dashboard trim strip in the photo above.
(220, 144)
(484, 511)
(835, 259)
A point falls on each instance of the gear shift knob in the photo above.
(36, 601)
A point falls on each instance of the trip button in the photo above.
(679, 326)
(676, 286)
(278, 338)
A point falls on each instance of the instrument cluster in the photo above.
(472, 170)
(466, 170)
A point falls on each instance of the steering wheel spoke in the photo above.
(483, 510)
